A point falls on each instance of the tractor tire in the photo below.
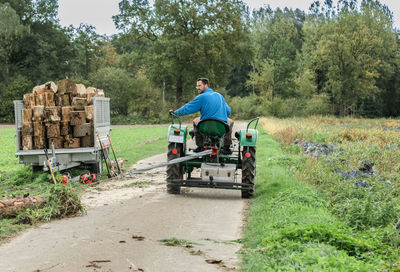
(174, 171)
(248, 171)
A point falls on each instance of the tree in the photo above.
(117, 84)
(354, 52)
(277, 36)
(11, 30)
(13, 89)
(186, 39)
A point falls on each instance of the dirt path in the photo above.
(125, 221)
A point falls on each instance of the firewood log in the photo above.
(29, 100)
(27, 128)
(58, 142)
(83, 130)
(39, 89)
(51, 114)
(10, 207)
(67, 86)
(87, 141)
(27, 142)
(39, 142)
(50, 87)
(40, 99)
(65, 128)
(91, 90)
(27, 115)
(79, 103)
(71, 142)
(53, 130)
(49, 99)
(78, 118)
(89, 113)
(58, 99)
(81, 89)
(99, 93)
(66, 113)
(66, 100)
(38, 129)
(38, 113)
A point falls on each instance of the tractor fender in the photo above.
(174, 137)
(248, 137)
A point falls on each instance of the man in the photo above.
(211, 105)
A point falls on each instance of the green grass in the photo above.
(135, 144)
(290, 227)
(8, 162)
(132, 144)
(177, 242)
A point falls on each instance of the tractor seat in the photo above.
(213, 127)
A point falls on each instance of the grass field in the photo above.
(132, 144)
(324, 212)
(326, 198)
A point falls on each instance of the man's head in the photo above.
(202, 84)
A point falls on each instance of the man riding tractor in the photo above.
(211, 105)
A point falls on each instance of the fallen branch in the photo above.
(10, 207)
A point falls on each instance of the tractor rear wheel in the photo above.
(248, 170)
(174, 171)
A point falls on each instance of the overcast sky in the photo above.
(99, 12)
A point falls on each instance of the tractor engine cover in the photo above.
(218, 172)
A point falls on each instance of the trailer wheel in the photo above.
(97, 167)
(248, 170)
(174, 171)
(37, 168)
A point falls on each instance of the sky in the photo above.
(99, 12)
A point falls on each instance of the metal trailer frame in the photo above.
(64, 158)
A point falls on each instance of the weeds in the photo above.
(367, 203)
(177, 242)
(61, 201)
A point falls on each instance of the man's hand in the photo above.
(170, 112)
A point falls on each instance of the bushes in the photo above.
(255, 105)
(14, 89)
(134, 99)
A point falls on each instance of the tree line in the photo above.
(332, 59)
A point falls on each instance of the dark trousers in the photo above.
(199, 138)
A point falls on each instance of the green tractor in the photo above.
(216, 170)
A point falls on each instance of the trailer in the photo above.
(65, 158)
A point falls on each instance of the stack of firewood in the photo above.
(60, 113)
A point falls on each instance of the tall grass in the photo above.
(290, 226)
(371, 211)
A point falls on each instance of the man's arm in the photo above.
(190, 107)
(228, 109)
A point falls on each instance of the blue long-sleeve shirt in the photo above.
(210, 104)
